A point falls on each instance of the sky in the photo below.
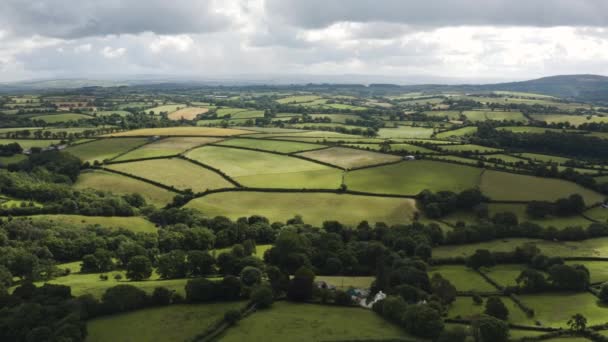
(405, 41)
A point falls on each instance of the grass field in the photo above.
(261, 169)
(133, 223)
(463, 278)
(182, 131)
(178, 173)
(520, 211)
(508, 186)
(188, 113)
(298, 99)
(167, 147)
(457, 132)
(313, 207)
(29, 143)
(574, 120)
(598, 213)
(309, 322)
(271, 145)
(531, 129)
(598, 270)
(468, 148)
(55, 118)
(569, 304)
(104, 148)
(504, 274)
(171, 323)
(483, 115)
(106, 181)
(12, 159)
(587, 248)
(248, 114)
(110, 112)
(347, 282)
(464, 308)
(505, 158)
(349, 158)
(412, 149)
(411, 177)
(166, 108)
(405, 132)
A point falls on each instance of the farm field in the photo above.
(405, 132)
(261, 169)
(464, 308)
(347, 282)
(504, 274)
(550, 221)
(574, 120)
(29, 143)
(411, 177)
(349, 158)
(599, 214)
(531, 129)
(412, 149)
(463, 278)
(271, 145)
(170, 108)
(468, 148)
(508, 186)
(188, 113)
(167, 147)
(298, 99)
(103, 149)
(182, 131)
(55, 118)
(177, 173)
(104, 181)
(457, 132)
(313, 207)
(110, 112)
(309, 322)
(569, 304)
(483, 115)
(133, 223)
(172, 323)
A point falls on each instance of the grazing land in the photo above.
(182, 131)
(133, 223)
(187, 113)
(349, 158)
(271, 145)
(167, 147)
(103, 149)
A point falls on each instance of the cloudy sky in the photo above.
(406, 39)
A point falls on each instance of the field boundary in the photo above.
(160, 185)
(208, 167)
(140, 159)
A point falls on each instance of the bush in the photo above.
(161, 296)
(232, 316)
(123, 298)
(200, 290)
(262, 296)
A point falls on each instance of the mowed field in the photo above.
(167, 147)
(271, 145)
(310, 322)
(313, 207)
(171, 323)
(103, 149)
(175, 172)
(411, 177)
(136, 224)
(569, 304)
(182, 131)
(118, 184)
(261, 169)
(189, 113)
(463, 278)
(514, 187)
(349, 158)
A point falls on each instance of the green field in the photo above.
(504, 274)
(105, 148)
(598, 270)
(405, 132)
(55, 118)
(167, 147)
(166, 108)
(464, 308)
(457, 132)
(545, 308)
(261, 169)
(133, 223)
(349, 158)
(347, 282)
(310, 322)
(29, 143)
(182, 131)
(271, 145)
(549, 221)
(12, 159)
(313, 207)
(468, 148)
(177, 173)
(412, 149)
(110, 112)
(531, 129)
(298, 99)
(509, 186)
(598, 213)
(118, 184)
(337, 118)
(463, 278)
(411, 177)
(574, 120)
(171, 323)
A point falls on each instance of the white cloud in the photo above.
(109, 52)
(181, 43)
(83, 48)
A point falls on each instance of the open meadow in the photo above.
(103, 149)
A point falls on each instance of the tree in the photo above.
(123, 298)
(481, 258)
(232, 316)
(455, 334)
(569, 277)
(487, 328)
(250, 276)
(531, 280)
(422, 320)
(199, 263)
(577, 322)
(496, 308)
(262, 296)
(443, 289)
(139, 268)
(604, 293)
(172, 265)
(301, 286)
(161, 296)
(200, 290)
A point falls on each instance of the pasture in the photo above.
(569, 304)
(463, 278)
(313, 207)
(483, 115)
(56, 118)
(515, 187)
(403, 147)
(310, 322)
(171, 323)
(298, 99)
(271, 145)
(118, 184)
(167, 147)
(464, 308)
(347, 282)
(182, 131)
(411, 177)
(136, 224)
(261, 169)
(177, 173)
(349, 158)
(29, 143)
(103, 149)
(550, 221)
(169, 108)
(405, 132)
(574, 120)
(468, 148)
(189, 113)
(457, 132)
(504, 274)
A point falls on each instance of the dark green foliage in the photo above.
(301, 286)
(122, 298)
(161, 296)
(200, 290)
(488, 328)
(250, 276)
(262, 296)
(422, 320)
(442, 288)
(481, 258)
(455, 334)
(139, 268)
(199, 263)
(496, 308)
(566, 277)
(172, 265)
(232, 316)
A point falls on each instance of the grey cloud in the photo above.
(74, 19)
(435, 13)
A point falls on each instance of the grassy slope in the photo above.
(133, 223)
(118, 184)
(185, 131)
(463, 278)
(314, 207)
(171, 323)
(167, 147)
(569, 304)
(271, 145)
(174, 172)
(349, 158)
(104, 148)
